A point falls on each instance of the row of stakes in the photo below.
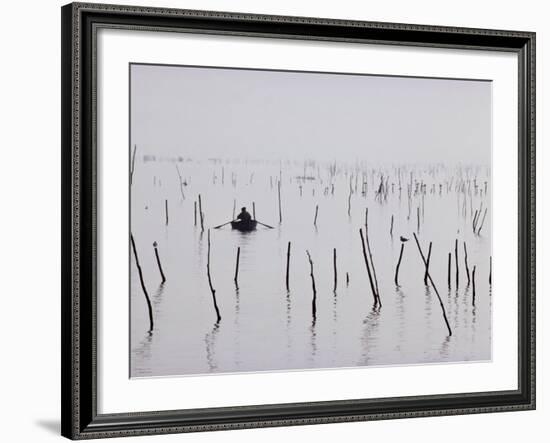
(476, 224)
(369, 264)
(367, 255)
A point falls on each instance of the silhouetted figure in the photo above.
(244, 216)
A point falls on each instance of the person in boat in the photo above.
(244, 216)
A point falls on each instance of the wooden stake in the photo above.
(166, 210)
(449, 271)
(482, 221)
(474, 221)
(316, 213)
(427, 264)
(370, 254)
(287, 267)
(314, 301)
(396, 279)
(466, 263)
(254, 210)
(140, 273)
(375, 296)
(391, 226)
(180, 182)
(236, 278)
(158, 262)
(218, 316)
(132, 168)
(201, 214)
(456, 262)
(347, 278)
(335, 269)
(433, 285)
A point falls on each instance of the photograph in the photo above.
(293, 220)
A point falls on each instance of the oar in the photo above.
(218, 227)
(263, 224)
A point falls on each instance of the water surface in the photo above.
(264, 327)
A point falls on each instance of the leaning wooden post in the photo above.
(375, 296)
(237, 267)
(234, 207)
(482, 221)
(449, 271)
(474, 286)
(140, 273)
(335, 269)
(314, 301)
(253, 210)
(218, 316)
(201, 214)
(166, 210)
(466, 263)
(396, 279)
(433, 285)
(287, 267)
(132, 165)
(456, 262)
(427, 264)
(370, 254)
(391, 226)
(155, 244)
(316, 213)
(180, 182)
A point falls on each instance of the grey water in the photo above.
(263, 326)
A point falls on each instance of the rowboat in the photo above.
(244, 226)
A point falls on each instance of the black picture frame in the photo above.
(80, 418)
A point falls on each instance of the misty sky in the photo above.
(234, 113)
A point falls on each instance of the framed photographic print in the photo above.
(273, 221)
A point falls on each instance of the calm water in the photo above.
(263, 326)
